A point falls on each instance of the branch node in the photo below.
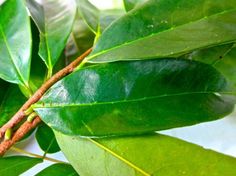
(31, 117)
(28, 111)
(8, 134)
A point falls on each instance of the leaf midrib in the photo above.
(49, 59)
(51, 105)
(119, 157)
(155, 34)
(11, 58)
(44, 34)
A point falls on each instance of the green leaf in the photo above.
(96, 19)
(135, 97)
(11, 100)
(38, 73)
(80, 40)
(46, 139)
(227, 66)
(89, 13)
(3, 86)
(223, 58)
(108, 16)
(16, 165)
(58, 170)
(154, 154)
(15, 42)
(166, 28)
(131, 4)
(54, 20)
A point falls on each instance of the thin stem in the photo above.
(36, 155)
(29, 90)
(49, 73)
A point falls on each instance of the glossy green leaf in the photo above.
(97, 20)
(166, 28)
(223, 58)
(149, 155)
(108, 16)
(54, 20)
(16, 165)
(130, 4)
(135, 97)
(89, 13)
(11, 100)
(46, 139)
(15, 42)
(80, 40)
(58, 170)
(38, 73)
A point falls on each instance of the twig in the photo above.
(19, 134)
(39, 93)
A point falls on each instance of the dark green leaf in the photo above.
(135, 97)
(166, 28)
(15, 42)
(80, 40)
(16, 165)
(89, 13)
(46, 139)
(58, 170)
(54, 20)
(3, 87)
(227, 66)
(150, 155)
(130, 4)
(38, 71)
(97, 20)
(11, 100)
(223, 58)
(108, 16)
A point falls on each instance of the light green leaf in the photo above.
(54, 20)
(11, 100)
(135, 97)
(166, 28)
(46, 139)
(16, 165)
(58, 170)
(149, 155)
(130, 4)
(15, 42)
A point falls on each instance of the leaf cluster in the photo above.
(155, 65)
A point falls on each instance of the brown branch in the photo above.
(19, 134)
(39, 93)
